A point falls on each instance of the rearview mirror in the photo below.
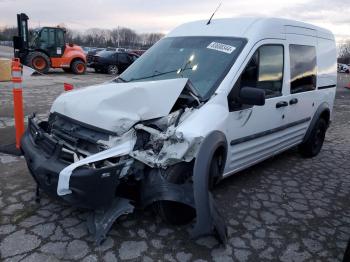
(252, 96)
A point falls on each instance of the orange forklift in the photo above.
(45, 48)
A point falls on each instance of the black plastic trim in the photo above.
(322, 108)
(209, 221)
(325, 87)
(268, 132)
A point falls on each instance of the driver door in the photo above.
(257, 132)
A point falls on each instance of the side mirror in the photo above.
(252, 96)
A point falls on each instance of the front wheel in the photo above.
(112, 70)
(312, 146)
(39, 61)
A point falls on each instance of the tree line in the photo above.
(96, 37)
(344, 52)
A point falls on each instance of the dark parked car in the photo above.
(112, 62)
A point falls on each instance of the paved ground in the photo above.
(285, 209)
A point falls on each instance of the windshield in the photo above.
(105, 53)
(203, 60)
(33, 37)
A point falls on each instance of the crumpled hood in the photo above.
(118, 106)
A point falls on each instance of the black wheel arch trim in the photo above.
(322, 108)
(208, 221)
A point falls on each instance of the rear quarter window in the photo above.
(302, 68)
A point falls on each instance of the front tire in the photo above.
(173, 212)
(112, 70)
(39, 61)
(312, 146)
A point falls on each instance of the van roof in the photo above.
(250, 28)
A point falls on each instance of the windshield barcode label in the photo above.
(221, 47)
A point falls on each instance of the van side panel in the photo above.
(326, 71)
(326, 62)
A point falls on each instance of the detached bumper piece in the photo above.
(100, 221)
(92, 188)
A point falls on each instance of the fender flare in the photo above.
(324, 107)
(77, 57)
(208, 221)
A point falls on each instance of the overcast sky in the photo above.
(163, 15)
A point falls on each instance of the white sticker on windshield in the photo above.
(221, 47)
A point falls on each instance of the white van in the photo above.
(205, 102)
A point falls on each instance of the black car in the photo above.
(112, 62)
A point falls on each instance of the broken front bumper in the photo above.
(91, 188)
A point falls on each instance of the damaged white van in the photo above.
(205, 102)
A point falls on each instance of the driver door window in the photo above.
(265, 70)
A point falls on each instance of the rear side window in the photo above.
(52, 37)
(60, 38)
(44, 35)
(265, 70)
(123, 58)
(302, 68)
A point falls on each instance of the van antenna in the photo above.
(213, 14)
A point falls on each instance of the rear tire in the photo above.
(78, 67)
(312, 146)
(173, 212)
(39, 62)
(112, 70)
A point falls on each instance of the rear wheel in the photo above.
(312, 146)
(112, 70)
(173, 212)
(38, 61)
(78, 67)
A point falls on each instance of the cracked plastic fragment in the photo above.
(100, 221)
(208, 221)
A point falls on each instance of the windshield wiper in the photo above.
(180, 70)
(153, 75)
(190, 86)
(120, 79)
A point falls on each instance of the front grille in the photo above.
(77, 135)
(41, 138)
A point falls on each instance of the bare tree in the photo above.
(97, 37)
(344, 52)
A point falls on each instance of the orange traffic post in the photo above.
(17, 100)
(68, 87)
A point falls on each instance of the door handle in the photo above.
(293, 101)
(281, 104)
